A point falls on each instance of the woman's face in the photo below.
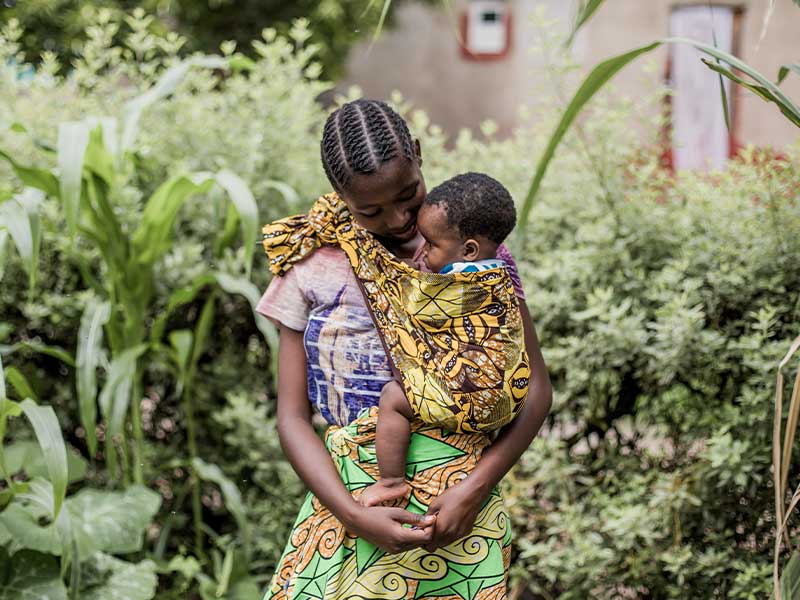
(386, 202)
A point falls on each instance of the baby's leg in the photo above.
(391, 444)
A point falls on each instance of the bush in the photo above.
(663, 304)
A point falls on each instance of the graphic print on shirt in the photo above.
(347, 364)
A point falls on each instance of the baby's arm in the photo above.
(391, 445)
(382, 526)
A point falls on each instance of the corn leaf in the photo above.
(759, 90)
(48, 433)
(234, 285)
(20, 384)
(790, 579)
(40, 179)
(89, 352)
(181, 341)
(20, 218)
(48, 350)
(786, 69)
(230, 493)
(586, 11)
(387, 4)
(153, 236)
(3, 251)
(590, 86)
(245, 204)
(179, 298)
(115, 396)
(604, 71)
(73, 138)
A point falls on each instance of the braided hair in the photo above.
(359, 137)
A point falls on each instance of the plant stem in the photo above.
(197, 507)
(136, 425)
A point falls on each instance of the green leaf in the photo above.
(288, 192)
(387, 4)
(115, 396)
(153, 236)
(48, 350)
(785, 69)
(88, 355)
(26, 456)
(48, 433)
(20, 384)
(234, 285)
(587, 9)
(179, 298)
(26, 533)
(245, 204)
(40, 502)
(185, 565)
(112, 522)
(723, 94)
(201, 333)
(3, 252)
(596, 79)
(20, 217)
(98, 158)
(73, 138)
(40, 179)
(781, 99)
(30, 575)
(790, 578)
(761, 91)
(230, 493)
(181, 341)
(122, 580)
(604, 71)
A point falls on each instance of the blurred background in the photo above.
(142, 145)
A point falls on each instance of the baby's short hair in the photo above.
(477, 204)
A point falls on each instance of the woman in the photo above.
(330, 354)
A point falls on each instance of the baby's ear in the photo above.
(472, 249)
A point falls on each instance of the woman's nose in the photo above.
(400, 220)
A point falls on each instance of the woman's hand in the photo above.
(456, 510)
(382, 526)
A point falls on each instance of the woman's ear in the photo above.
(472, 250)
(418, 150)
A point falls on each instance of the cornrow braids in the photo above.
(359, 137)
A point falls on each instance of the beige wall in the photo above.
(421, 58)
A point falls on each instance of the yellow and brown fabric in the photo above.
(456, 341)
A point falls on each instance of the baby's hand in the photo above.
(383, 491)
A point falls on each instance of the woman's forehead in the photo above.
(394, 179)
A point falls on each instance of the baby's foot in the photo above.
(385, 490)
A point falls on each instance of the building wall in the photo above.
(421, 58)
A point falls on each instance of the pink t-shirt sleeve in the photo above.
(284, 302)
(504, 254)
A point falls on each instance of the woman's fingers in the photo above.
(409, 518)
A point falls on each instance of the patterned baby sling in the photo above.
(456, 341)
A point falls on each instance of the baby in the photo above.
(464, 220)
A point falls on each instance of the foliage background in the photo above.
(663, 304)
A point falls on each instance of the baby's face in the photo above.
(443, 243)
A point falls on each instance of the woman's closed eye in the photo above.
(370, 214)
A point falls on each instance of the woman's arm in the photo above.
(382, 526)
(457, 508)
